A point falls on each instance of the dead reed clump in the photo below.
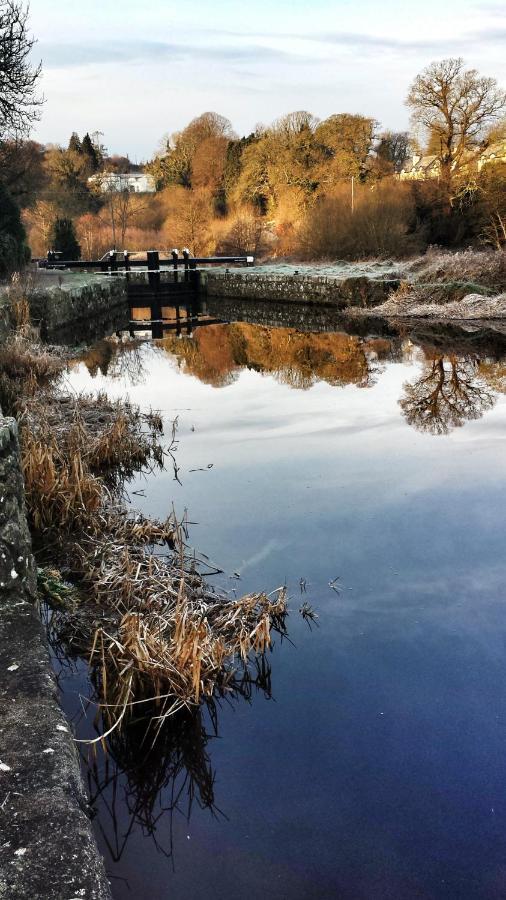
(20, 311)
(175, 641)
(155, 631)
(157, 635)
(60, 490)
(76, 450)
(25, 368)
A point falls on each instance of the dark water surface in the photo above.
(378, 768)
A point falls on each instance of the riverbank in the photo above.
(48, 849)
(76, 453)
(70, 306)
(467, 286)
(472, 307)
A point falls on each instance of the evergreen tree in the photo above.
(90, 153)
(14, 251)
(75, 143)
(63, 239)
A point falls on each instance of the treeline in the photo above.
(300, 187)
(50, 184)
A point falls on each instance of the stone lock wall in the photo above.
(341, 293)
(81, 308)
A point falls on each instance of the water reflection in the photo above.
(453, 387)
(144, 772)
(449, 392)
(295, 358)
(379, 771)
(116, 358)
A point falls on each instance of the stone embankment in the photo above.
(47, 847)
(76, 306)
(340, 292)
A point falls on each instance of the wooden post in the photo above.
(126, 257)
(175, 257)
(194, 277)
(186, 255)
(113, 262)
(154, 281)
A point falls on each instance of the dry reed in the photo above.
(156, 633)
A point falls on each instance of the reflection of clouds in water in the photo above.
(263, 553)
(457, 606)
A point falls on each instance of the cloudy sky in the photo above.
(138, 70)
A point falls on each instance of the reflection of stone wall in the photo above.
(338, 292)
(314, 317)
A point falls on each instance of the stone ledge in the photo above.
(47, 847)
(359, 290)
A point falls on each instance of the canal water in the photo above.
(368, 473)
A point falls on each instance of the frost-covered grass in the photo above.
(471, 306)
(486, 268)
(339, 269)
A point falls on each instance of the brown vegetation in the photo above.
(301, 187)
(153, 629)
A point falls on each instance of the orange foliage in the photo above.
(293, 358)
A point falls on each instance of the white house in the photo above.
(422, 167)
(136, 182)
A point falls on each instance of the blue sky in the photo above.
(138, 70)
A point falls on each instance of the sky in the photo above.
(137, 71)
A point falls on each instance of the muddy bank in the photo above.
(48, 848)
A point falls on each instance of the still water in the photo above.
(369, 474)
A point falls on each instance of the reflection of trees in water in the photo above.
(494, 373)
(209, 354)
(449, 392)
(147, 771)
(216, 354)
(115, 359)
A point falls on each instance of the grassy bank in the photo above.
(465, 285)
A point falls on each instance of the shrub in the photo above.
(382, 224)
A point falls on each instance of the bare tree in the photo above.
(454, 106)
(19, 102)
(122, 207)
